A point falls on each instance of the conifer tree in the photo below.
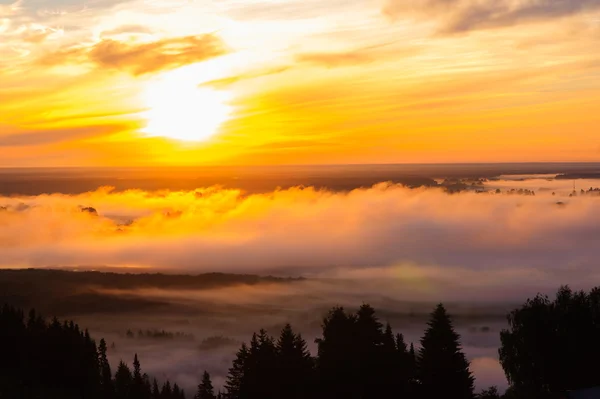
(443, 369)
(407, 367)
(155, 390)
(147, 391)
(123, 381)
(137, 385)
(294, 372)
(372, 357)
(389, 365)
(205, 389)
(412, 355)
(106, 384)
(337, 364)
(262, 365)
(235, 383)
(167, 391)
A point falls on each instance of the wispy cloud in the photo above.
(227, 81)
(25, 137)
(336, 59)
(142, 58)
(467, 15)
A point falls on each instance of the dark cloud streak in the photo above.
(140, 59)
(463, 16)
(40, 137)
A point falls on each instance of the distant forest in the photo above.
(548, 349)
(62, 292)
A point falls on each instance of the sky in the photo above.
(169, 82)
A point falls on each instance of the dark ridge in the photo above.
(63, 292)
(257, 179)
(582, 175)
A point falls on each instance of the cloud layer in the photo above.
(483, 243)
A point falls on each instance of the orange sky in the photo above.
(147, 82)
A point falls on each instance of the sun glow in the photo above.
(180, 109)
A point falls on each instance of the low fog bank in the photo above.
(304, 231)
(182, 325)
(212, 323)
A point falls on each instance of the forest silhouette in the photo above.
(546, 352)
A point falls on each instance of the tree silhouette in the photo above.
(262, 361)
(549, 344)
(60, 361)
(155, 390)
(443, 370)
(205, 389)
(166, 391)
(390, 361)
(546, 351)
(235, 384)
(123, 381)
(337, 367)
(137, 384)
(107, 389)
(147, 390)
(407, 365)
(490, 393)
(176, 392)
(372, 355)
(294, 367)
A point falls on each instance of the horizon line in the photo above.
(308, 165)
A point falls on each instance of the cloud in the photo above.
(227, 81)
(142, 58)
(488, 245)
(291, 144)
(331, 60)
(358, 56)
(467, 15)
(49, 136)
(289, 10)
(128, 29)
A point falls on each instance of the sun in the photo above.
(180, 109)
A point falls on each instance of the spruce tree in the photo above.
(235, 384)
(167, 391)
(123, 381)
(371, 356)
(443, 369)
(155, 390)
(205, 389)
(337, 365)
(294, 371)
(106, 383)
(262, 365)
(137, 385)
(407, 367)
(391, 377)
